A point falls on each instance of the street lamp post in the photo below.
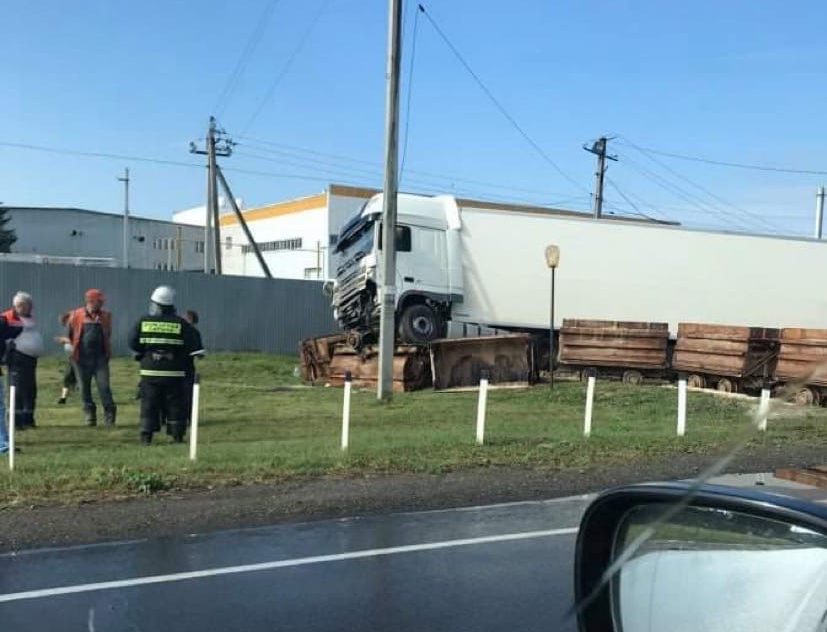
(552, 260)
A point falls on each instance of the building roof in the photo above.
(72, 209)
(320, 201)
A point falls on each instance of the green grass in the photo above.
(260, 424)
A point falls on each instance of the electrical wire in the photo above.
(417, 11)
(629, 201)
(711, 194)
(737, 165)
(287, 65)
(540, 151)
(246, 54)
(678, 191)
(285, 149)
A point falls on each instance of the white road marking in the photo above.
(263, 566)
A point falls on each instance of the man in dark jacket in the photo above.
(21, 358)
(7, 334)
(90, 333)
(163, 342)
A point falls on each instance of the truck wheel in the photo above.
(725, 385)
(696, 381)
(806, 396)
(419, 324)
(633, 377)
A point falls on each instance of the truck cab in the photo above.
(428, 269)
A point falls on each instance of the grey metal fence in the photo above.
(237, 313)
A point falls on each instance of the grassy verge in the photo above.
(260, 424)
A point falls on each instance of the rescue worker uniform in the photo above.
(163, 342)
(21, 358)
(91, 334)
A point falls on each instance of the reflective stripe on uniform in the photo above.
(153, 373)
(161, 341)
(160, 327)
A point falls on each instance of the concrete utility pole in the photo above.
(125, 180)
(217, 144)
(819, 211)
(387, 265)
(598, 148)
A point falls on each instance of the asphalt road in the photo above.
(501, 567)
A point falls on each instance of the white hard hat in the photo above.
(163, 295)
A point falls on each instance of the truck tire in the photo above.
(419, 324)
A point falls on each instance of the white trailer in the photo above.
(486, 266)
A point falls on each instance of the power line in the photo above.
(711, 194)
(675, 189)
(294, 151)
(629, 201)
(287, 65)
(417, 11)
(499, 105)
(737, 165)
(246, 54)
(99, 154)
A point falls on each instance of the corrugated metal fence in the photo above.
(237, 313)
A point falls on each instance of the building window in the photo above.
(312, 273)
(228, 241)
(199, 247)
(270, 246)
(334, 239)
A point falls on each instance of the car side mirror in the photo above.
(670, 557)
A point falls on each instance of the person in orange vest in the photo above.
(90, 333)
(21, 358)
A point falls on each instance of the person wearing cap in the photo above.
(8, 333)
(21, 358)
(163, 343)
(89, 331)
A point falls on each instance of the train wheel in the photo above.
(806, 396)
(632, 377)
(725, 385)
(696, 381)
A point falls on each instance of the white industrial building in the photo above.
(66, 235)
(297, 236)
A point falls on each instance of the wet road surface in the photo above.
(502, 567)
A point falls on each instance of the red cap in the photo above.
(94, 296)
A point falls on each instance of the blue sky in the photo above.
(741, 80)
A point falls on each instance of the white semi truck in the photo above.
(459, 265)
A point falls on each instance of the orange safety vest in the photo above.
(79, 318)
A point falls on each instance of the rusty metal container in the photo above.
(610, 343)
(504, 360)
(803, 356)
(315, 355)
(725, 350)
(411, 367)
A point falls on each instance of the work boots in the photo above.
(91, 415)
(109, 416)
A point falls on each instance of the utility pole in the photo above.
(598, 148)
(178, 245)
(125, 180)
(819, 211)
(216, 144)
(387, 266)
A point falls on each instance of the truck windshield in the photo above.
(356, 237)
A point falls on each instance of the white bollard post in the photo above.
(196, 397)
(587, 422)
(764, 409)
(481, 404)
(681, 407)
(346, 411)
(12, 405)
